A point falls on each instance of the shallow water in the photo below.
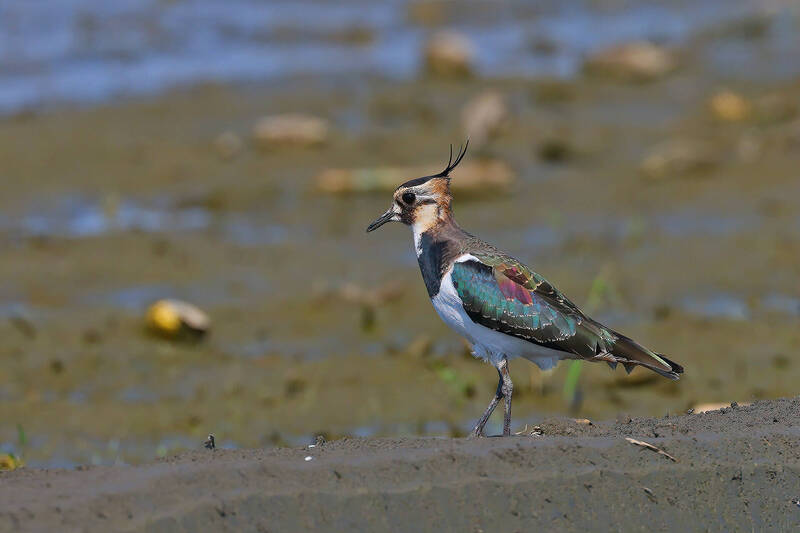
(89, 51)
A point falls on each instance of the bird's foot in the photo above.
(476, 433)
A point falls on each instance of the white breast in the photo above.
(488, 344)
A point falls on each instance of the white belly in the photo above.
(488, 344)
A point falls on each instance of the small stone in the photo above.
(729, 106)
(227, 144)
(357, 294)
(308, 458)
(449, 54)
(635, 61)
(177, 320)
(678, 157)
(290, 129)
(484, 116)
(9, 462)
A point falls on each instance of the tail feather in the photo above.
(630, 354)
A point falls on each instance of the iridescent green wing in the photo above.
(504, 295)
(509, 268)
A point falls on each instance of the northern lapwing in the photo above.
(502, 307)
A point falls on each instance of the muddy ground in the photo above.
(105, 210)
(667, 206)
(107, 207)
(734, 470)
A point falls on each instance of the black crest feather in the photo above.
(462, 151)
(451, 164)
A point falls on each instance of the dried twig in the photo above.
(649, 446)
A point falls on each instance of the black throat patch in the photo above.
(435, 258)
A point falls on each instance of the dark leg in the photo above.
(504, 390)
(508, 391)
(477, 431)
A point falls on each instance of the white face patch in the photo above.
(425, 217)
(417, 241)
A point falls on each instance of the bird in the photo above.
(499, 305)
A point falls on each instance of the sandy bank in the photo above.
(736, 469)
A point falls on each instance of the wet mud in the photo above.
(735, 469)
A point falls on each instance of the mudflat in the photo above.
(100, 226)
(734, 469)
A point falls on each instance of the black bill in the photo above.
(381, 220)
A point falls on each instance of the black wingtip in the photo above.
(676, 368)
(673, 373)
(629, 352)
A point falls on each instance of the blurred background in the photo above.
(642, 155)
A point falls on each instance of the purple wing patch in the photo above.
(511, 288)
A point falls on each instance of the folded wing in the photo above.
(504, 295)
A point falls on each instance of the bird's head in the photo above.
(422, 202)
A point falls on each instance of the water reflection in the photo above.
(79, 216)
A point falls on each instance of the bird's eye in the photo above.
(409, 198)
